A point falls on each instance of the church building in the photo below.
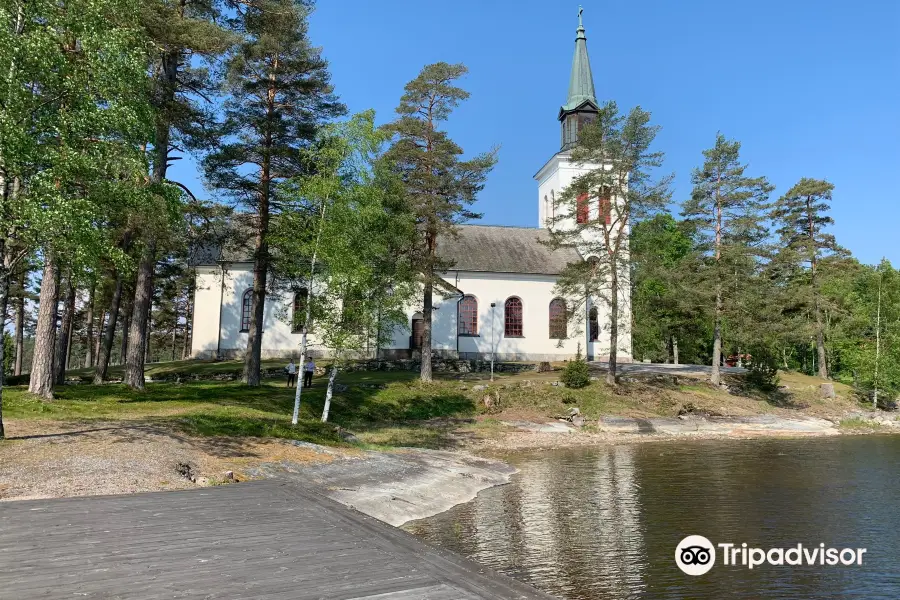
(505, 279)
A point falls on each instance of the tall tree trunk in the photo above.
(253, 360)
(715, 376)
(65, 328)
(147, 334)
(126, 325)
(188, 324)
(329, 393)
(4, 300)
(613, 321)
(20, 325)
(820, 345)
(109, 335)
(98, 339)
(425, 373)
(89, 322)
(41, 381)
(174, 331)
(137, 329)
(675, 349)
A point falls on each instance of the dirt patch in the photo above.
(50, 459)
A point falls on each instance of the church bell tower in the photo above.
(580, 108)
(581, 105)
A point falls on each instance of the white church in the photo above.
(505, 277)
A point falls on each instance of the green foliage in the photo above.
(351, 217)
(621, 185)
(664, 307)
(437, 185)
(576, 374)
(762, 371)
(9, 354)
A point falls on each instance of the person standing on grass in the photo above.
(291, 373)
(308, 369)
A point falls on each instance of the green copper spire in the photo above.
(581, 82)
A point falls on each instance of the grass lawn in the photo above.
(380, 408)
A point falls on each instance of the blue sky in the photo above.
(810, 88)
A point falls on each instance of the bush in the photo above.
(763, 371)
(576, 374)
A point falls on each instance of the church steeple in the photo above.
(581, 104)
(581, 82)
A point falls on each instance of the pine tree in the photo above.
(439, 186)
(726, 209)
(616, 190)
(278, 96)
(801, 216)
(181, 31)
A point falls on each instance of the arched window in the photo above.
(552, 204)
(468, 316)
(513, 317)
(246, 306)
(301, 297)
(558, 322)
(583, 209)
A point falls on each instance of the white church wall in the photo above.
(277, 340)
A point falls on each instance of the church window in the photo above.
(605, 207)
(546, 207)
(301, 297)
(552, 204)
(582, 214)
(558, 329)
(246, 306)
(594, 324)
(468, 316)
(513, 317)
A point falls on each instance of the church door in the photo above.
(418, 331)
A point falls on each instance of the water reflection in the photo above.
(604, 523)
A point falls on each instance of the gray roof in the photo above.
(499, 249)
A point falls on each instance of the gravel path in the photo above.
(50, 459)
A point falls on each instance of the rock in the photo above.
(347, 436)
(593, 378)
(826, 390)
(578, 420)
(229, 475)
(478, 388)
(573, 411)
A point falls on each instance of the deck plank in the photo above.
(266, 540)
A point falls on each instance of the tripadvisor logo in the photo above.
(696, 555)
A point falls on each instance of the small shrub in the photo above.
(763, 371)
(576, 374)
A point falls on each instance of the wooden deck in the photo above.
(260, 540)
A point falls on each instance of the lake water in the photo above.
(605, 522)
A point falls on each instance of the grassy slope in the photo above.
(391, 408)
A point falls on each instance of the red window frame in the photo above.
(558, 319)
(246, 307)
(605, 207)
(583, 209)
(512, 317)
(468, 316)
